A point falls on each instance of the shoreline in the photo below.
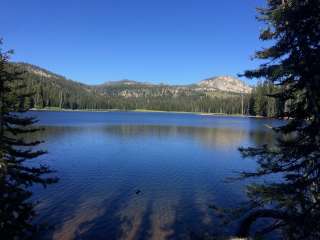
(141, 110)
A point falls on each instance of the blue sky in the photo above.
(168, 41)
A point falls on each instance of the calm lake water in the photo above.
(177, 163)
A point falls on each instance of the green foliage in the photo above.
(16, 173)
(52, 90)
(262, 103)
(293, 204)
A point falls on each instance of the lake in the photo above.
(131, 175)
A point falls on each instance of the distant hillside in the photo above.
(215, 84)
(219, 94)
(53, 90)
(124, 82)
(218, 86)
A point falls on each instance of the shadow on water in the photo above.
(127, 215)
(110, 224)
(189, 223)
(90, 218)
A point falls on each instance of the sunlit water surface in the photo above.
(128, 175)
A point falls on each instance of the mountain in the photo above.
(124, 82)
(221, 83)
(225, 83)
(218, 94)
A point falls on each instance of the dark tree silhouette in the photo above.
(293, 62)
(17, 173)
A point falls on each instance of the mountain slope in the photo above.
(220, 94)
(55, 90)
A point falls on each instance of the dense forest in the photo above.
(55, 91)
(262, 104)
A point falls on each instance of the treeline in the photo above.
(261, 102)
(55, 91)
(201, 103)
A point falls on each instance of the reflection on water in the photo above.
(179, 167)
(210, 137)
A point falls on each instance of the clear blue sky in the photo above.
(169, 41)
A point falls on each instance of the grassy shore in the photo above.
(56, 109)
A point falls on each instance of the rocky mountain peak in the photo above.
(225, 83)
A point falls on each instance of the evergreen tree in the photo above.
(261, 100)
(16, 173)
(293, 204)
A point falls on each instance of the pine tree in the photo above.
(16, 173)
(293, 204)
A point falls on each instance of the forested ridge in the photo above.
(55, 91)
